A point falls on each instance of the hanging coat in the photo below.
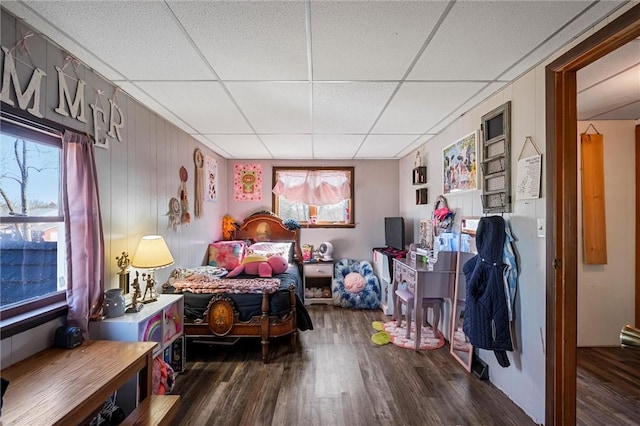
(486, 317)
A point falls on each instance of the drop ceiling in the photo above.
(325, 79)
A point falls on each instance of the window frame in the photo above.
(305, 224)
(27, 314)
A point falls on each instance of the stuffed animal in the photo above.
(255, 264)
(229, 226)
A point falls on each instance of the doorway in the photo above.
(562, 169)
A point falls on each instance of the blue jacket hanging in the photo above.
(486, 318)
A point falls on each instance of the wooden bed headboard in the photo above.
(269, 227)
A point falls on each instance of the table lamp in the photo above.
(152, 253)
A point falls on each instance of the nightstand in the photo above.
(318, 280)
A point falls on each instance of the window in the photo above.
(32, 232)
(317, 197)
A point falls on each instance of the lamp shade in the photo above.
(152, 253)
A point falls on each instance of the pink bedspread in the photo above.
(206, 279)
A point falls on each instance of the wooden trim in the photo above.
(561, 174)
(637, 320)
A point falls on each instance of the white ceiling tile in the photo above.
(336, 146)
(139, 39)
(203, 105)
(385, 146)
(487, 91)
(594, 14)
(274, 107)
(241, 146)
(248, 40)
(44, 25)
(603, 98)
(209, 143)
(479, 40)
(627, 112)
(288, 146)
(416, 145)
(368, 40)
(623, 58)
(348, 107)
(413, 110)
(142, 97)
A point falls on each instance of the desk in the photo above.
(423, 282)
(66, 386)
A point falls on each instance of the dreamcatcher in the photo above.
(198, 159)
(442, 216)
(185, 217)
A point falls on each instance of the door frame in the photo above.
(562, 205)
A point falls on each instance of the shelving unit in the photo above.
(496, 160)
(317, 275)
(420, 178)
(161, 322)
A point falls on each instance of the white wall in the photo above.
(606, 292)
(137, 176)
(376, 197)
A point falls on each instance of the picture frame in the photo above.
(460, 164)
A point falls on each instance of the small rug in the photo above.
(460, 342)
(428, 339)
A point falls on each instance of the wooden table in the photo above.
(66, 386)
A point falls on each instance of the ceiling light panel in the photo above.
(274, 107)
(414, 109)
(348, 107)
(241, 146)
(336, 146)
(203, 105)
(117, 32)
(288, 146)
(248, 40)
(369, 40)
(479, 40)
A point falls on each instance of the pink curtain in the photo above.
(314, 187)
(84, 238)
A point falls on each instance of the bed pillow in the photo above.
(226, 254)
(269, 248)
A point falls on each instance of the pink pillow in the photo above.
(354, 282)
(226, 254)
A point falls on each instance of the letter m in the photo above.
(64, 95)
(10, 75)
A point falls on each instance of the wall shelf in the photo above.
(496, 160)
(420, 175)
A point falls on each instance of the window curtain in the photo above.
(84, 238)
(313, 187)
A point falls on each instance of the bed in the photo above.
(223, 310)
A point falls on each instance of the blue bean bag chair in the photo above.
(356, 286)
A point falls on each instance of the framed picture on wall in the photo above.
(459, 164)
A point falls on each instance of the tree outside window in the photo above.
(314, 196)
(31, 223)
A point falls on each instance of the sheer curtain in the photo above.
(84, 238)
(313, 187)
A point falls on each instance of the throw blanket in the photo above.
(207, 279)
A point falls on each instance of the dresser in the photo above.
(318, 282)
(423, 280)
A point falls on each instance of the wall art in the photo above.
(459, 164)
(211, 178)
(247, 182)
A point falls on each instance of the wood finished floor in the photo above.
(336, 377)
(608, 386)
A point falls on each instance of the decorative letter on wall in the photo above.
(64, 95)
(33, 89)
(593, 204)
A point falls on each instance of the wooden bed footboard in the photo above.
(221, 320)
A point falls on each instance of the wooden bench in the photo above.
(154, 410)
